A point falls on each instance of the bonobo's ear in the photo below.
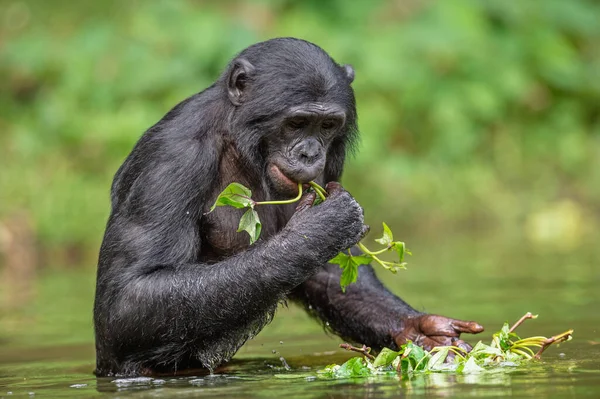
(239, 75)
(349, 72)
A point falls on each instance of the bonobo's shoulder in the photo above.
(193, 118)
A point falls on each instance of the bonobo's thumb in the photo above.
(333, 188)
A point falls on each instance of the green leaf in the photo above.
(387, 238)
(385, 357)
(414, 358)
(329, 371)
(470, 367)
(362, 259)
(250, 222)
(349, 275)
(349, 265)
(399, 247)
(235, 195)
(506, 337)
(355, 367)
(437, 360)
(481, 351)
(394, 266)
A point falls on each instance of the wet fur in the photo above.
(178, 288)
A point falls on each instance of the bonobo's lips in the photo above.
(282, 182)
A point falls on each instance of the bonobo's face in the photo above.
(297, 154)
(294, 112)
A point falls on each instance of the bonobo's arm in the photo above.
(158, 308)
(370, 314)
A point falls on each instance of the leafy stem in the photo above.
(239, 196)
(319, 190)
(283, 202)
(506, 348)
(391, 266)
(365, 350)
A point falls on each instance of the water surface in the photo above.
(46, 341)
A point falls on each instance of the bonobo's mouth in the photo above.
(282, 183)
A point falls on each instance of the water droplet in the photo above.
(274, 351)
(309, 307)
(562, 355)
(281, 342)
(327, 323)
(285, 365)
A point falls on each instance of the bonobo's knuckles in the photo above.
(339, 221)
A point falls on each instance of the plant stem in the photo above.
(372, 253)
(364, 350)
(290, 201)
(557, 339)
(526, 316)
(319, 190)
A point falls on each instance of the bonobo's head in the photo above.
(293, 111)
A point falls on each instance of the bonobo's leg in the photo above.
(370, 314)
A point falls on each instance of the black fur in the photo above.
(178, 288)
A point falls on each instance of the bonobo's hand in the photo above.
(430, 330)
(332, 226)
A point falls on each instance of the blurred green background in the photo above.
(478, 119)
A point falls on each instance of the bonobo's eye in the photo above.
(329, 124)
(297, 123)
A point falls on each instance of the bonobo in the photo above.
(177, 287)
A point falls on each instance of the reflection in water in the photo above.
(248, 379)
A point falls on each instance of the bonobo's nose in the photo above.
(309, 151)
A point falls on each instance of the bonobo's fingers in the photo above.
(469, 327)
(434, 325)
(429, 331)
(333, 188)
(306, 201)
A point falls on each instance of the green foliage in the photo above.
(452, 133)
(353, 368)
(388, 240)
(235, 195)
(385, 358)
(239, 196)
(349, 265)
(250, 223)
(505, 352)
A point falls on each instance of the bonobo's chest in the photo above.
(218, 229)
(220, 238)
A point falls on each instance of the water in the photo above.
(46, 341)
